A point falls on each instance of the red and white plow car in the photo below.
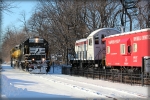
(129, 50)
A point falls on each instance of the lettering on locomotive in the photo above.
(114, 41)
(143, 37)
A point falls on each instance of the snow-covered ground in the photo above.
(54, 85)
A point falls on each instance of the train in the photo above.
(112, 50)
(129, 51)
(90, 51)
(32, 55)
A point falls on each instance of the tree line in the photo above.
(62, 22)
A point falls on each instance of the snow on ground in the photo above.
(18, 84)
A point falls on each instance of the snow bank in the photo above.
(17, 84)
(8, 89)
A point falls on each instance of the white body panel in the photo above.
(80, 49)
(96, 50)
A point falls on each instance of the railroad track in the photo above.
(98, 91)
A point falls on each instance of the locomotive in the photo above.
(90, 52)
(32, 55)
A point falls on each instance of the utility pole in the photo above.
(0, 31)
(53, 66)
(67, 41)
(67, 46)
(67, 55)
(123, 17)
(149, 14)
(149, 21)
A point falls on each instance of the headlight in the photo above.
(96, 65)
(32, 59)
(43, 59)
(36, 40)
(103, 67)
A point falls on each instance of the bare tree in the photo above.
(62, 22)
(4, 8)
(24, 21)
(12, 37)
(143, 17)
(126, 13)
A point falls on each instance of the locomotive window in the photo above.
(122, 48)
(90, 41)
(76, 55)
(102, 36)
(108, 49)
(26, 49)
(85, 55)
(134, 47)
(81, 55)
(96, 39)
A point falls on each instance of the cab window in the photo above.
(102, 36)
(90, 41)
(96, 38)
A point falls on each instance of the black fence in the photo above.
(66, 70)
(127, 78)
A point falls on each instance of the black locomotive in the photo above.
(32, 55)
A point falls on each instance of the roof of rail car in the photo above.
(131, 32)
(81, 40)
(101, 29)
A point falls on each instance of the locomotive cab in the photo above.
(96, 47)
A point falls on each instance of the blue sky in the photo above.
(10, 19)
